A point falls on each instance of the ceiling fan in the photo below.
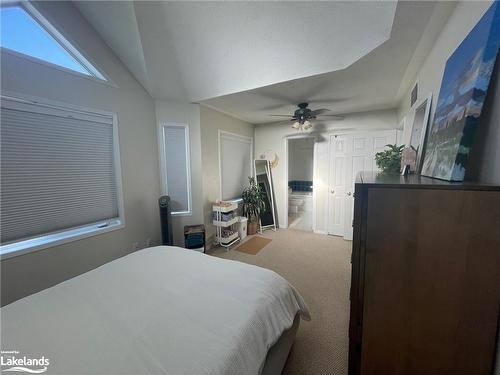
(303, 115)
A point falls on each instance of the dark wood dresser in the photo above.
(425, 290)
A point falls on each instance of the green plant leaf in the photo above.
(253, 200)
(389, 160)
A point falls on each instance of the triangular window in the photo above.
(23, 30)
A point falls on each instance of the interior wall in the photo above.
(300, 159)
(486, 166)
(211, 121)
(185, 113)
(272, 137)
(32, 272)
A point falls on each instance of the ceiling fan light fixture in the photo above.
(296, 125)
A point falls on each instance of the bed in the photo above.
(161, 310)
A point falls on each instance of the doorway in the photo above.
(350, 153)
(300, 183)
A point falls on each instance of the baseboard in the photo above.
(320, 232)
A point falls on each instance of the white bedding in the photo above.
(162, 310)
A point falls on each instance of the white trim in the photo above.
(285, 184)
(118, 169)
(425, 126)
(59, 238)
(60, 68)
(271, 187)
(56, 104)
(73, 234)
(328, 199)
(238, 137)
(315, 175)
(163, 164)
(25, 105)
(47, 26)
(93, 73)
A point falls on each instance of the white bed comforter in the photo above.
(162, 310)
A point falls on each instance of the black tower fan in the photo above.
(166, 221)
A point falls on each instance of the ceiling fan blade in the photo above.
(280, 115)
(334, 117)
(326, 100)
(319, 111)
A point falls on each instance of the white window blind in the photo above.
(235, 153)
(176, 167)
(58, 171)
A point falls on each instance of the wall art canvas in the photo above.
(463, 91)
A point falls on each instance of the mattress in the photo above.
(161, 310)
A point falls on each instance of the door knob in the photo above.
(349, 193)
(333, 191)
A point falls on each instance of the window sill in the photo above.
(50, 240)
(182, 213)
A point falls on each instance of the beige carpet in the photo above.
(319, 267)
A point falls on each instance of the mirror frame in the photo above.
(271, 187)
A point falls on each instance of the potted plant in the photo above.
(389, 161)
(253, 203)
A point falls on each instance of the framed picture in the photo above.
(419, 130)
(463, 91)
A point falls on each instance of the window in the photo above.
(60, 175)
(176, 175)
(235, 164)
(25, 31)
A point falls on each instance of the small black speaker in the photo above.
(167, 237)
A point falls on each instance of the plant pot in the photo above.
(252, 228)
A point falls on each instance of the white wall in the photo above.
(465, 16)
(211, 121)
(185, 113)
(484, 163)
(300, 159)
(29, 273)
(272, 137)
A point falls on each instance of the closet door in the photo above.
(349, 154)
(431, 283)
(339, 157)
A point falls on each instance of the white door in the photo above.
(358, 155)
(337, 183)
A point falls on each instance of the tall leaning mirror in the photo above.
(264, 180)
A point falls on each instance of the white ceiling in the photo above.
(123, 35)
(249, 58)
(199, 50)
(376, 81)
